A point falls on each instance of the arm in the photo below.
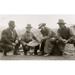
(51, 33)
(60, 38)
(72, 36)
(4, 37)
(22, 40)
(48, 31)
(16, 37)
(58, 35)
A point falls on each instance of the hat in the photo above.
(41, 25)
(28, 26)
(11, 22)
(61, 21)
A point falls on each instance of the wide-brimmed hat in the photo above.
(28, 26)
(41, 25)
(61, 21)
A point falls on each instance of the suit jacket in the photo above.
(65, 33)
(7, 38)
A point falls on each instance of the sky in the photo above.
(22, 20)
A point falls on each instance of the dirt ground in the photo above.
(10, 56)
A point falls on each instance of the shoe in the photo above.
(25, 54)
(4, 54)
(46, 55)
(33, 54)
(16, 54)
(65, 54)
(28, 54)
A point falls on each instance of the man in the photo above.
(64, 34)
(46, 44)
(72, 28)
(27, 38)
(9, 39)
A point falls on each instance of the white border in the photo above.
(41, 7)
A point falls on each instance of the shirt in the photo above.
(27, 37)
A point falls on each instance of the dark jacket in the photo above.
(47, 32)
(6, 36)
(48, 41)
(65, 33)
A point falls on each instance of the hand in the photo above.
(13, 44)
(24, 43)
(45, 37)
(69, 40)
(53, 39)
(65, 41)
(16, 41)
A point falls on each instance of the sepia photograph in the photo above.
(37, 37)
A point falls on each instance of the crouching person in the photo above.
(65, 35)
(46, 44)
(26, 39)
(9, 39)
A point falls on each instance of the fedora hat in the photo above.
(11, 22)
(41, 25)
(28, 26)
(61, 21)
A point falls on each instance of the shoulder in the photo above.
(58, 29)
(48, 29)
(5, 30)
(25, 33)
(68, 28)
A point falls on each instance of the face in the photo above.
(43, 27)
(28, 29)
(61, 25)
(12, 25)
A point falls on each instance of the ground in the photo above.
(23, 57)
